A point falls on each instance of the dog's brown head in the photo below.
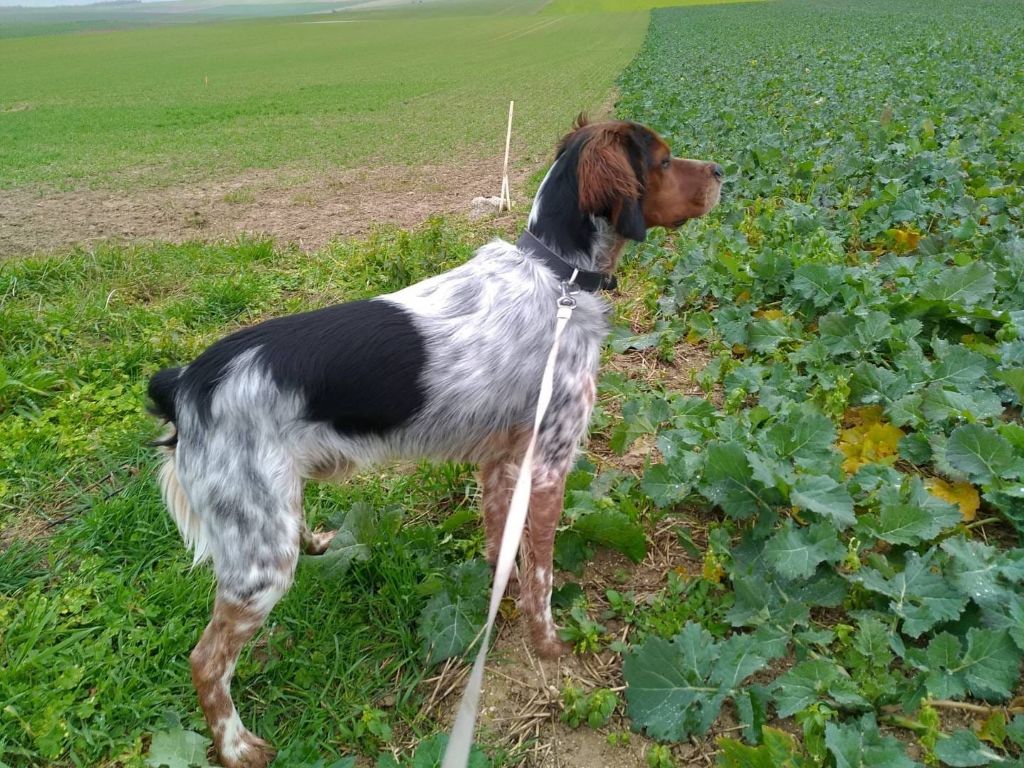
(626, 173)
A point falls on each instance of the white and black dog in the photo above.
(447, 369)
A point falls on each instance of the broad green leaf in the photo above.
(770, 472)
(989, 669)
(804, 435)
(920, 596)
(667, 692)
(739, 656)
(764, 598)
(874, 384)
(872, 641)
(766, 335)
(991, 665)
(979, 452)
(963, 286)
(861, 745)
(959, 367)
(815, 680)
(1013, 378)
(728, 481)
(795, 553)
(733, 322)
(837, 333)
(612, 528)
(451, 619)
(989, 577)
(663, 486)
(1015, 730)
(909, 206)
(938, 404)
(571, 551)
(942, 679)
(915, 448)
(904, 521)
(824, 496)
(752, 709)
(676, 688)
(178, 748)
(817, 282)
(873, 329)
(964, 749)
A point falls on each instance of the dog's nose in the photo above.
(717, 172)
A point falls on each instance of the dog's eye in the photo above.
(666, 163)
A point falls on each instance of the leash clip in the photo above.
(569, 289)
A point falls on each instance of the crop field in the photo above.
(151, 106)
(794, 536)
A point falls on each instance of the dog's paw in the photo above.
(546, 642)
(317, 543)
(247, 750)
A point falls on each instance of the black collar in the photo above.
(529, 244)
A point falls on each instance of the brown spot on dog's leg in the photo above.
(537, 557)
(213, 664)
(497, 479)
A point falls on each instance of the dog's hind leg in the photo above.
(254, 530)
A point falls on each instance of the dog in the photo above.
(446, 369)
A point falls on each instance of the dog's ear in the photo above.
(611, 177)
(629, 221)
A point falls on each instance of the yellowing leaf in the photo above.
(770, 314)
(905, 239)
(712, 569)
(740, 350)
(868, 440)
(964, 495)
(864, 414)
(744, 296)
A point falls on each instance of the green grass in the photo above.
(96, 622)
(156, 106)
(625, 6)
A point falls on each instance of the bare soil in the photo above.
(305, 210)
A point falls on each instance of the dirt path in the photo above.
(306, 210)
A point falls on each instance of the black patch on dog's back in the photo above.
(357, 366)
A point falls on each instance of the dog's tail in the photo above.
(162, 390)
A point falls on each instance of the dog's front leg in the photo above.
(537, 561)
(557, 442)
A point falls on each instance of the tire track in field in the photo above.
(518, 33)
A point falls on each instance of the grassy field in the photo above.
(93, 620)
(832, 531)
(556, 7)
(153, 106)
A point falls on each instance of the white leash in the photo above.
(457, 753)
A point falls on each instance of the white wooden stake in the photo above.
(506, 194)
